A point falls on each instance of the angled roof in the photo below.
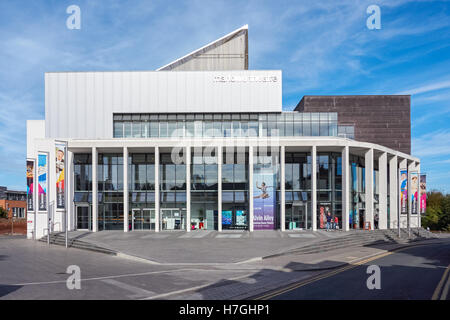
(227, 53)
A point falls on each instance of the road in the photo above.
(420, 272)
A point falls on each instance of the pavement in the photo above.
(202, 246)
(33, 270)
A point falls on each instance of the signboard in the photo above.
(30, 185)
(241, 218)
(403, 181)
(423, 194)
(60, 152)
(414, 185)
(226, 217)
(42, 181)
(264, 198)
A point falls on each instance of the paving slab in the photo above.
(200, 246)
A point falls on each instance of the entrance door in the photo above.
(142, 219)
(173, 219)
(148, 219)
(84, 218)
(136, 219)
(299, 217)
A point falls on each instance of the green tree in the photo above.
(3, 213)
(437, 216)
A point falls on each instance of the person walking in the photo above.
(328, 221)
(336, 222)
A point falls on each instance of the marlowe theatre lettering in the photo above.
(245, 79)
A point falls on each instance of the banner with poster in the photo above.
(42, 181)
(403, 181)
(423, 193)
(30, 185)
(264, 198)
(414, 185)
(60, 152)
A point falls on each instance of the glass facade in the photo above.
(172, 173)
(329, 190)
(141, 186)
(110, 191)
(298, 213)
(235, 189)
(204, 189)
(357, 192)
(284, 124)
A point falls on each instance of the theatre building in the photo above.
(205, 143)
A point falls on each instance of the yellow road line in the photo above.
(440, 284)
(321, 276)
(332, 273)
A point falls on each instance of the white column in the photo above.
(345, 188)
(314, 187)
(157, 189)
(393, 192)
(382, 170)
(402, 219)
(219, 188)
(69, 191)
(250, 187)
(187, 158)
(125, 189)
(411, 168)
(282, 189)
(369, 187)
(419, 219)
(94, 190)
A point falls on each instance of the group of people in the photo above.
(332, 222)
(327, 220)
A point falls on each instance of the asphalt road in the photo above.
(418, 273)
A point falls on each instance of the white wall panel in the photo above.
(81, 104)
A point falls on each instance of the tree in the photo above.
(437, 216)
(3, 213)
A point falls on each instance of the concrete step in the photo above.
(58, 239)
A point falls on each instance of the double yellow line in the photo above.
(321, 276)
(439, 290)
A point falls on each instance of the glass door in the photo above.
(137, 220)
(173, 219)
(84, 217)
(149, 220)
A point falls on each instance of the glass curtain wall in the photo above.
(298, 211)
(204, 189)
(357, 195)
(110, 191)
(141, 186)
(172, 172)
(235, 189)
(329, 190)
(83, 190)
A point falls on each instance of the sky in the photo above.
(322, 47)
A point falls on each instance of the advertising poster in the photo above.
(42, 181)
(423, 193)
(60, 165)
(264, 199)
(226, 217)
(403, 181)
(414, 185)
(30, 185)
(240, 218)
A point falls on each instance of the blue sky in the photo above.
(323, 47)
